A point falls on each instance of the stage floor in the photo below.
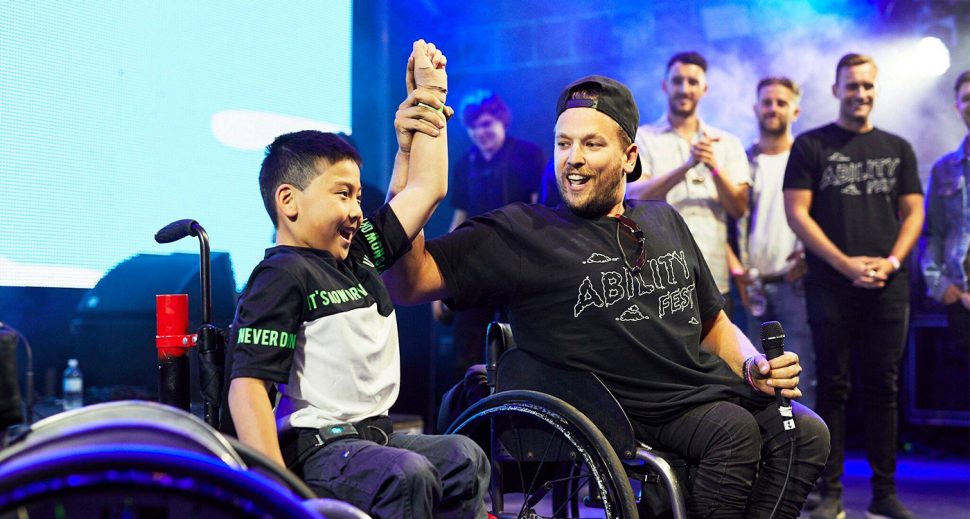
(932, 489)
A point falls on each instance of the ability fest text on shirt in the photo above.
(667, 278)
(878, 175)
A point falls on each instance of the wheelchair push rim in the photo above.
(568, 429)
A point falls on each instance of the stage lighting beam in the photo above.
(933, 56)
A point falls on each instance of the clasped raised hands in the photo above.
(426, 69)
(424, 109)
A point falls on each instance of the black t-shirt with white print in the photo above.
(574, 302)
(856, 180)
(323, 329)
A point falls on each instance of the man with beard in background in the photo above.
(767, 242)
(698, 169)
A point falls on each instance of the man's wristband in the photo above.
(894, 261)
(714, 171)
(746, 371)
(429, 107)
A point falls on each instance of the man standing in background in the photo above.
(853, 196)
(767, 243)
(946, 260)
(698, 169)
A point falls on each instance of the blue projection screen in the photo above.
(117, 117)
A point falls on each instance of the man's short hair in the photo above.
(780, 80)
(964, 77)
(851, 60)
(481, 102)
(292, 159)
(688, 58)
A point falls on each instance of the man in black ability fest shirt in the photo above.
(853, 196)
(644, 316)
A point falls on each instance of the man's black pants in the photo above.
(866, 330)
(742, 457)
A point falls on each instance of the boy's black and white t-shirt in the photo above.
(323, 329)
(856, 180)
(574, 302)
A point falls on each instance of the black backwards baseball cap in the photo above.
(614, 99)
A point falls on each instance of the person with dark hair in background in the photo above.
(853, 196)
(498, 170)
(768, 245)
(946, 259)
(700, 170)
(619, 288)
(316, 322)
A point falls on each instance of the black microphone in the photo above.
(177, 230)
(773, 344)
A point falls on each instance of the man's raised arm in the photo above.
(415, 278)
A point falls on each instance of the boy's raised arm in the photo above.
(426, 177)
(422, 182)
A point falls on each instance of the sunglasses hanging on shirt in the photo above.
(629, 233)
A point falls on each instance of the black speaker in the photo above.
(938, 391)
(11, 412)
(114, 324)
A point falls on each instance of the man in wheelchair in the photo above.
(618, 288)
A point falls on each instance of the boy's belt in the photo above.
(299, 443)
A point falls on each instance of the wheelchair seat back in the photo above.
(518, 369)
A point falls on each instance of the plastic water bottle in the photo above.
(73, 386)
(757, 300)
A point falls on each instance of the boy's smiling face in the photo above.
(329, 212)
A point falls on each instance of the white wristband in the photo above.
(894, 261)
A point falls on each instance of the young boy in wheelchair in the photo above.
(316, 321)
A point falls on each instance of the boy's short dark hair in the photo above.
(964, 77)
(688, 58)
(292, 159)
(480, 102)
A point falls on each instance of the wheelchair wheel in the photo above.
(141, 459)
(546, 449)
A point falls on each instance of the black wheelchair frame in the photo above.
(559, 427)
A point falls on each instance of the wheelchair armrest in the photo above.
(498, 340)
